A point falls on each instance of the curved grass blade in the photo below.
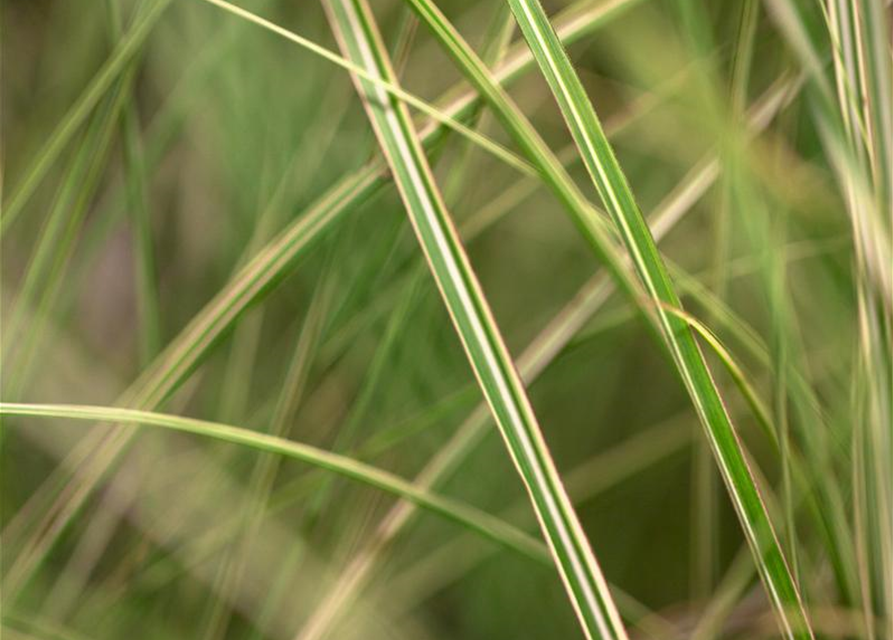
(465, 515)
(104, 445)
(615, 192)
(586, 481)
(533, 361)
(356, 31)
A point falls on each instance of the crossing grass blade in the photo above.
(465, 515)
(264, 472)
(481, 140)
(359, 39)
(615, 192)
(214, 320)
(534, 360)
(272, 263)
(551, 171)
(585, 482)
(774, 232)
(44, 276)
(80, 110)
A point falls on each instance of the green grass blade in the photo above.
(494, 148)
(528, 139)
(705, 480)
(81, 109)
(862, 72)
(541, 351)
(585, 482)
(395, 326)
(548, 344)
(462, 514)
(104, 445)
(263, 475)
(134, 166)
(487, 354)
(269, 266)
(615, 192)
(43, 279)
(578, 20)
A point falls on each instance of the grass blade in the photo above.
(465, 515)
(43, 278)
(553, 174)
(81, 109)
(103, 447)
(146, 282)
(862, 73)
(494, 148)
(266, 468)
(615, 192)
(548, 344)
(483, 343)
(584, 482)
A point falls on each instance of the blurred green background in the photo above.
(236, 133)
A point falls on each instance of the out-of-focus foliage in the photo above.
(197, 219)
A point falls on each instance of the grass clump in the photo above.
(649, 244)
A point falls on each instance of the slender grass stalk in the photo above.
(862, 73)
(590, 224)
(134, 166)
(81, 109)
(496, 149)
(488, 356)
(455, 558)
(822, 493)
(745, 194)
(462, 514)
(104, 445)
(742, 199)
(265, 470)
(418, 277)
(706, 499)
(548, 344)
(615, 192)
(44, 275)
